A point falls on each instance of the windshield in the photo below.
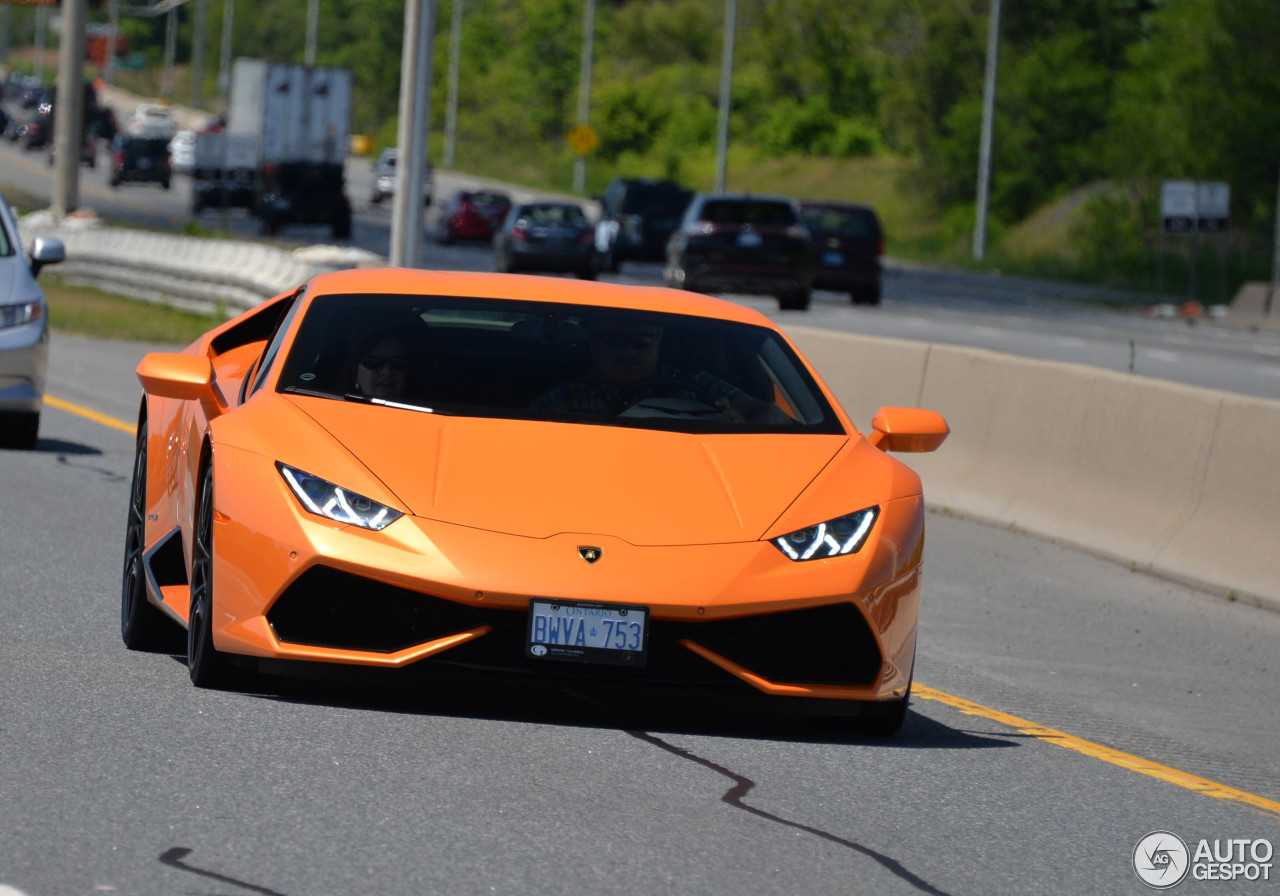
(568, 363)
(656, 203)
(851, 222)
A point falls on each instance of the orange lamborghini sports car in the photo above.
(534, 478)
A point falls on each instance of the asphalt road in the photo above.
(116, 775)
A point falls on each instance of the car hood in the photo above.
(539, 479)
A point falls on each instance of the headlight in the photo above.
(834, 538)
(323, 498)
(22, 313)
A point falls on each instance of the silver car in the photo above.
(24, 332)
(385, 178)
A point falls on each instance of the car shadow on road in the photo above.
(572, 707)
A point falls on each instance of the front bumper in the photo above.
(731, 618)
(24, 360)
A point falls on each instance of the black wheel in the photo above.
(587, 273)
(142, 626)
(794, 300)
(342, 225)
(866, 295)
(885, 719)
(878, 720)
(19, 431)
(208, 667)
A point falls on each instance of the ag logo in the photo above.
(590, 554)
(1161, 860)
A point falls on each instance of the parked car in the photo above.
(182, 152)
(739, 242)
(386, 176)
(657, 542)
(848, 244)
(546, 236)
(473, 215)
(140, 160)
(24, 332)
(637, 217)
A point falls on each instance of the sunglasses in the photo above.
(377, 362)
(634, 341)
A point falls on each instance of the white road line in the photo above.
(1158, 355)
(1267, 371)
(989, 331)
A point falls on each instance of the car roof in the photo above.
(531, 288)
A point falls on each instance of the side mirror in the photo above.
(46, 250)
(184, 377)
(907, 429)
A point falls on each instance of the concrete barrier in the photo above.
(1169, 479)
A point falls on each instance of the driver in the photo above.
(624, 354)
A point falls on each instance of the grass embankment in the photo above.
(92, 312)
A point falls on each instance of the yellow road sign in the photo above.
(583, 138)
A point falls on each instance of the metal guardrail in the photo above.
(209, 275)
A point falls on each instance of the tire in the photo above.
(20, 430)
(794, 300)
(866, 295)
(587, 273)
(164, 184)
(885, 719)
(208, 668)
(115, 180)
(878, 720)
(142, 626)
(342, 225)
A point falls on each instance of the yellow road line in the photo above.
(1098, 751)
(968, 707)
(90, 414)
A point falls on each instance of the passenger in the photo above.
(625, 368)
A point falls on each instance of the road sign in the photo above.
(1203, 206)
(1213, 206)
(1178, 205)
(583, 138)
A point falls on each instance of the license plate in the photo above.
(832, 259)
(585, 632)
(749, 239)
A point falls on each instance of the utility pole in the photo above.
(988, 123)
(42, 26)
(224, 60)
(451, 111)
(584, 90)
(313, 24)
(197, 54)
(1275, 260)
(726, 94)
(113, 41)
(170, 51)
(415, 106)
(68, 125)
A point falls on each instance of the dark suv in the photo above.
(637, 217)
(848, 243)
(737, 242)
(140, 159)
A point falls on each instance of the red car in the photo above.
(473, 215)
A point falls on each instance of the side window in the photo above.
(273, 345)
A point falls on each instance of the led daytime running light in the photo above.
(833, 538)
(325, 499)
